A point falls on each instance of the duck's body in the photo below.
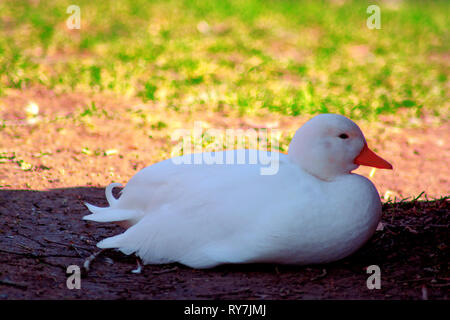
(206, 215)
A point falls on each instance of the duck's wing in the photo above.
(197, 234)
(171, 180)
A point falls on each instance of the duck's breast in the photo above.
(339, 218)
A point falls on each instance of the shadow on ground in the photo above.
(41, 234)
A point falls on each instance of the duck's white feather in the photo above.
(111, 213)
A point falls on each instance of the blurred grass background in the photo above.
(287, 57)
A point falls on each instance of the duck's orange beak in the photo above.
(369, 158)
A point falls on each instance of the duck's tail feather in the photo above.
(143, 241)
(108, 192)
(115, 242)
(108, 214)
(111, 213)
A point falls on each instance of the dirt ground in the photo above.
(42, 234)
(49, 167)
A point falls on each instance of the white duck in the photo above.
(314, 210)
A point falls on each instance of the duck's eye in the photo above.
(343, 136)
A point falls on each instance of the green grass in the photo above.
(287, 57)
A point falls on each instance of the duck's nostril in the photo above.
(343, 136)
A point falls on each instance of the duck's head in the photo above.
(330, 145)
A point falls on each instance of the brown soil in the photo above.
(42, 234)
(49, 168)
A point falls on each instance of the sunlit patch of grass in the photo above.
(6, 157)
(149, 92)
(99, 152)
(288, 57)
(92, 111)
